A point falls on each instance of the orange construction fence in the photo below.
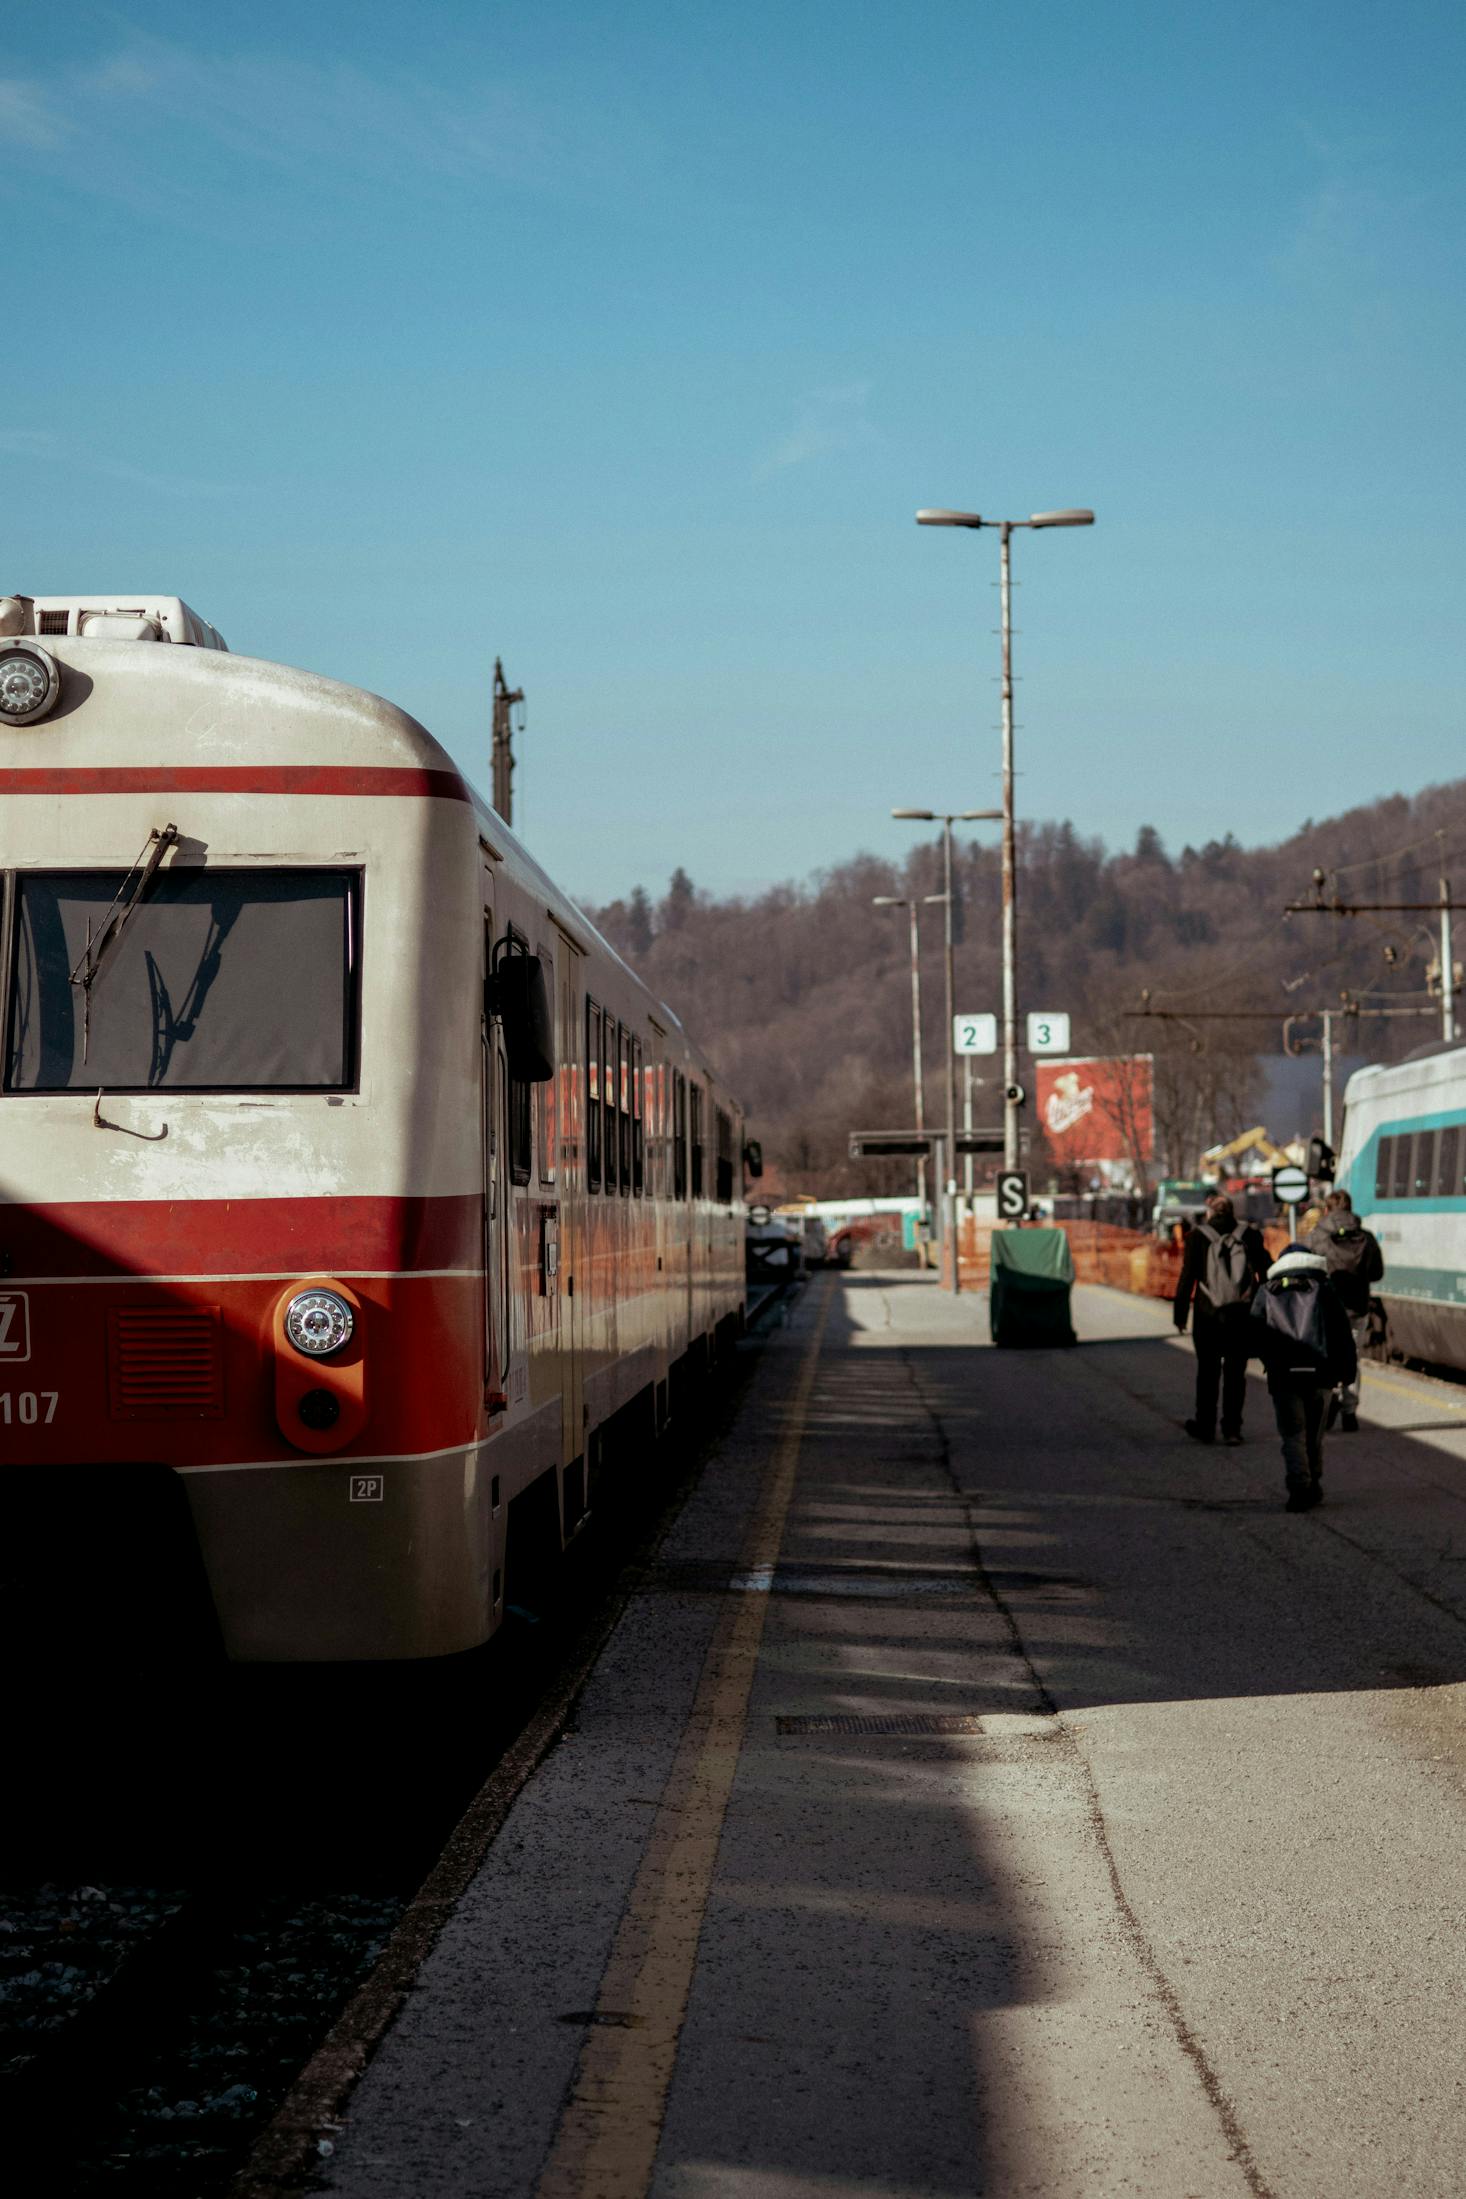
(1126, 1259)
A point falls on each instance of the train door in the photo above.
(568, 1117)
(498, 1218)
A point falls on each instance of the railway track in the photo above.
(199, 1900)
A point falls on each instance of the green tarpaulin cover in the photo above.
(1028, 1302)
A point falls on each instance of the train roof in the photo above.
(1426, 1069)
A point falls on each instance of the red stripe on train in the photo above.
(125, 1237)
(332, 779)
(423, 1340)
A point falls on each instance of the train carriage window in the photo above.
(1401, 1177)
(549, 1094)
(592, 1096)
(217, 980)
(1422, 1180)
(623, 1090)
(695, 1095)
(724, 1130)
(1448, 1163)
(1384, 1168)
(638, 1126)
(612, 1139)
(520, 1108)
(662, 1116)
(679, 1135)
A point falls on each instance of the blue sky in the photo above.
(625, 340)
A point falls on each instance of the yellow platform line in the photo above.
(605, 2145)
(1417, 1397)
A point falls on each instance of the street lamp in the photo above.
(896, 901)
(947, 818)
(1012, 1089)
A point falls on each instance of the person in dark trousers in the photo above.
(1221, 1268)
(1355, 1265)
(1303, 1336)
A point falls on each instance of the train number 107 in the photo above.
(28, 1407)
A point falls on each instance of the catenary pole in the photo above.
(949, 1204)
(1011, 1123)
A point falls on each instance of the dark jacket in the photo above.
(1355, 1261)
(1192, 1282)
(1301, 1331)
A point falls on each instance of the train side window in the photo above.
(724, 1129)
(1448, 1163)
(679, 1135)
(1402, 1173)
(519, 1106)
(611, 1140)
(592, 1096)
(1422, 1180)
(662, 1117)
(1384, 1163)
(696, 1098)
(638, 1124)
(623, 1093)
(549, 1095)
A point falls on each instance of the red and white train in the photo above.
(350, 1183)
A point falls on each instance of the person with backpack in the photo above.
(1303, 1335)
(1355, 1265)
(1221, 1267)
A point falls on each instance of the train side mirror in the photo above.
(1321, 1160)
(519, 997)
(753, 1158)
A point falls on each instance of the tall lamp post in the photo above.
(897, 901)
(947, 818)
(1012, 1090)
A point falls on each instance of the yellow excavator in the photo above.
(1250, 1141)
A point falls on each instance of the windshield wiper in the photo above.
(93, 958)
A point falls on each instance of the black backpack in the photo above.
(1227, 1277)
(1294, 1314)
(1345, 1245)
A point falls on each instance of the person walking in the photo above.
(1355, 1265)
(1304, 1338)
(1221, 1267)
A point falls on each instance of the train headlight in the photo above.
(29, 682)
(319, 1322)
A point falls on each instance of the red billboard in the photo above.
(1100, 1109)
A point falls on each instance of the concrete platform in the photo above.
(1133, 1863)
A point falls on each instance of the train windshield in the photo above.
(214, 980)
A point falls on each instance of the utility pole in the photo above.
(1013, 1093)
(898, 901)
(505, 699)
(1012, 1121)
(1448, 967)
(1443, 906)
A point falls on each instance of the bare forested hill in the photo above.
(802, 994)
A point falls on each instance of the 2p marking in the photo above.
(367, 1488)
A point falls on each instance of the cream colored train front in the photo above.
(348, 1180)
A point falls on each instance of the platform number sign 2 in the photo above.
(367, 1488)
(1012, 1195)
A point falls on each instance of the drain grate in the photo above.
(936, 1721)
(914, 1724)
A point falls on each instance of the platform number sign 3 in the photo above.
(1048, 1034)
(1012, 1195)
